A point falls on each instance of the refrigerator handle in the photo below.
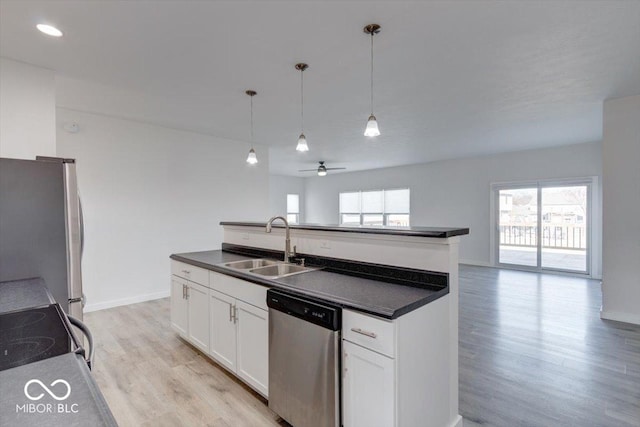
(87, 333)
(81, 227)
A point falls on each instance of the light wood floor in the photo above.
(533, 352)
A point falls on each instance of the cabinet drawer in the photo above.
(189, 272)
(370, 332)
(248, 292)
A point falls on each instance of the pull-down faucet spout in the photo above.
(287, 241)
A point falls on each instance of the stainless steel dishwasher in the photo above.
(304, 360)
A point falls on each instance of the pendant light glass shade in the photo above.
(302, 143)
(372, 127)
(251, 158)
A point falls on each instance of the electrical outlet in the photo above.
(324, 244)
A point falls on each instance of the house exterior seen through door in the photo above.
(544, 226)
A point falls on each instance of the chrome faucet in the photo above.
(287, 241)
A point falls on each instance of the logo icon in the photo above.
(45, 388)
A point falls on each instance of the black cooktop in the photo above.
(34, 334)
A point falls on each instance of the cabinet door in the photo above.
(179, 319)
(368, 398)
(222, 343)
(253, 346)
(198, 301)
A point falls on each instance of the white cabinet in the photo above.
(190, 307)
(396, 372)
(253, 346)
(223, 329)
(239, 331)
(179, 312)
(368, 394)
(198, 309)
(225, 317)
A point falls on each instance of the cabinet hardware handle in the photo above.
(187, 292)
(230, 312)
(184, 292)
(345, 365)
(235, 314)
(366, 333)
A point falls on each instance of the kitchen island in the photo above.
(398, 290)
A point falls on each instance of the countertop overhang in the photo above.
(434, 232)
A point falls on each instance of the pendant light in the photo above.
(252, 159)
(372, 123)
(302, 140)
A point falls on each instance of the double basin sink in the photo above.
(268, 268)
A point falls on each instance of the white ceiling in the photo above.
(453, 78)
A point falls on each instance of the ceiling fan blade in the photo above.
(334, 169)
(308, 170)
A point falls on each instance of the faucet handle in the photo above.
(293, 254)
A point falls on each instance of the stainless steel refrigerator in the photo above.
(41, 227)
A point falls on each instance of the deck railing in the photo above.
(567, 236)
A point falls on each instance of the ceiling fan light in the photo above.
(302, 143)
(322, 170)
(252, 159)
(372, 127)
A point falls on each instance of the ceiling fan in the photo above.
(322, 169)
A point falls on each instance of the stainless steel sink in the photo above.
(250, 263)
(270, 268)
(280, 270)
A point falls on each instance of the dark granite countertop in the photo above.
(26, 293)
(437, 232)
(388, 300)
(92, 409)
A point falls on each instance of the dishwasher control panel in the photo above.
(318, 313)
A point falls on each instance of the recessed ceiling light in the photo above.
(49, 30)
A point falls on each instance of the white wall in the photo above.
(621, 220)
(456, 192)
(279, 187)
(27, 110)
(149, 191)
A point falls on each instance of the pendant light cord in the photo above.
(252, 121)
(302, 101)
(372, 73)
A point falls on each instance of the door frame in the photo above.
(593, 217)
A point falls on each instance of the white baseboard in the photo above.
(476, 263)
(458, 422)
(620, 317)
(126, 301)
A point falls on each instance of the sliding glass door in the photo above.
(518, 226)
(564, 228)
(544, 227)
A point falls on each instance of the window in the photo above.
(293, 208)
(381, 207)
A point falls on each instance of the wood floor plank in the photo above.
(533, 352)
